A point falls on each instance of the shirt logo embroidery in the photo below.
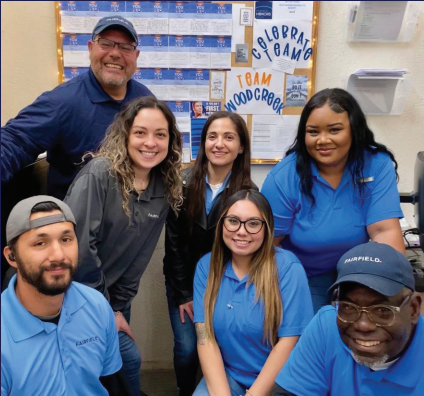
(363, 258)
(153, 216)
(87, 341)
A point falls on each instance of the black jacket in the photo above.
(185, 247)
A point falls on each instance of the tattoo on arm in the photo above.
(201, 333)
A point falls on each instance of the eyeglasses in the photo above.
(380, 315)
(108, 45)
(252, 226)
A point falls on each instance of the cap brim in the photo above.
(384, 286)
(119, 25)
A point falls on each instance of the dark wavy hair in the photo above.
(240, 172)
(114, 147)
(362, 138)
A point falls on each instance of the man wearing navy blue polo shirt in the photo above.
(58, 337)
(72, 118)
(371, 342)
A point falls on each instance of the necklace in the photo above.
(216, 186)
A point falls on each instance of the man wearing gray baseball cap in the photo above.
(371, 341)
(72, 119)
(57, 336)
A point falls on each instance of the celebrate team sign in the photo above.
(254, 91)
(289, 38)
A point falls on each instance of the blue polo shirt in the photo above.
(321, 364)
(41, 358)
(238, 320)
(338, 222)
(66, 122)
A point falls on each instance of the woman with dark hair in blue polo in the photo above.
(335, 189)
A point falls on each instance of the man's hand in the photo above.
(187, 307)
(122, 325)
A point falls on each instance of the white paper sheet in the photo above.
(220, 60)
(379, 20)
(217, 85)
(78, 24)
(297, 10)
(140, 24)
(76, 59)
(272, 135)
(284, 64)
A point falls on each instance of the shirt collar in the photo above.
(229, 273)
(409, 362)
(224, 184)
(95, 91)
(345, 177)
(156, 187)
(22, 324)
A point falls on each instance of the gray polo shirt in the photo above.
(114, 249)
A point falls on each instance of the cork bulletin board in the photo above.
(256, 58)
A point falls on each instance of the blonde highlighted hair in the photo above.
(263, 272)
(114, 147)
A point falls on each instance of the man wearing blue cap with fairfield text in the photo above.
(72, 118)
(371, 342)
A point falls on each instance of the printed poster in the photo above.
(296, 91)
(254, 91)
(281, 38)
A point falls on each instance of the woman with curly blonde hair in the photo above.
(120, 200)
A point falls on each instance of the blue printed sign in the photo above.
(263, 9)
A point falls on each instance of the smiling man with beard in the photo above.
(72, 118)
(371, 342)
(57, 337)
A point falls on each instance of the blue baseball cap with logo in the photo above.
(115, 20)
(377, 266)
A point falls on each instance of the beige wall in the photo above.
(28, 53)
(29, 67)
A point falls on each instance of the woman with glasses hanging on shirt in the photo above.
(251, 302)
(222, 167)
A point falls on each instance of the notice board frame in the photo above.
(310, 71)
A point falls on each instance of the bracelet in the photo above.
(117, 313)
(248, 391)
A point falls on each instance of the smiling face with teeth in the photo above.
(241, 243)
(113, 68)
(148, 140)
(222, 145)
(371, 344)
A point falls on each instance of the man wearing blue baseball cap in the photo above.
(72, 118)
(371, 341)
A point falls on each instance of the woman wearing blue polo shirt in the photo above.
(222, 167)
(251, 302)
(335, 189)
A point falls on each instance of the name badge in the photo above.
(365, 180)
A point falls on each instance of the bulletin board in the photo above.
(255, 58)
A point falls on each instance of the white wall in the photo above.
(28, 67)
